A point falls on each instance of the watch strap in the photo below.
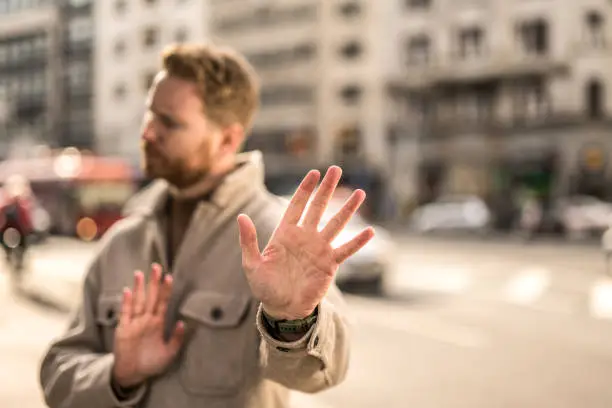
(292, 326)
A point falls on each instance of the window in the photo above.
(348, 140)
(595, 30)
(470, 43)
(533, 37)
(531, 100)
(351, 94)
(282, 57)
(418, 4)
(350, 9)
(78, 74)
(80, 29)
(150, 2)
(351, 50)
(79, 3)
(595, 99)
(119, 48)
(150, 37)
(181, 35)
(120, 91)
(286, 94)
(418, 50)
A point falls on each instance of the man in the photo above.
(213, 322)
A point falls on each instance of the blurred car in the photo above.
(455, 212)
(580, 215)
(365, 271)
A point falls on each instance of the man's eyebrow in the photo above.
(164, 115)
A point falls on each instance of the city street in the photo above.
(465, 323)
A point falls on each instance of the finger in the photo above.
(342, 217)
(138, 305)
(176, 341)
(300, 198)
(248, 242)
(319, 203)
(345, 251)
(126, 307)
(164, 295)
(153, 288)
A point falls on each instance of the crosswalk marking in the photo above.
(527, 286)
(601, 299)
(438, 278)
(532, 287)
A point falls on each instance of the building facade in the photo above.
(45, 74)
(504, 97)
(324, 67)
(129, 38)
(77, 121)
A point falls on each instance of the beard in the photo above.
(181, 172)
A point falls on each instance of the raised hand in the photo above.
(140, 350)
(298, 265)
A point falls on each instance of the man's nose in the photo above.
(148, 132)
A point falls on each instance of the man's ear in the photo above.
(233, 137)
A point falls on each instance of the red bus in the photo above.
(82, 193)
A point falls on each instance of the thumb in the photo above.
(176, 341)
(248, 242)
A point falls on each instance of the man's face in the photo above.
(179, 143)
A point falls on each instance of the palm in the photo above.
(298, 265)
(143, 340)
(140, 348)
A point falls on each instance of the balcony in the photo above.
(443, 129)
(495, 68)
(37, 60)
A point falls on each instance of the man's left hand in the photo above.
(298, 265)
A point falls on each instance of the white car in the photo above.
(367, 269)
(452, 213)
(579, 215)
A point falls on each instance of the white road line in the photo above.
(528, 286)
(600, 300)
(435, 278)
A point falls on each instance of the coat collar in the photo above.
(247, 176)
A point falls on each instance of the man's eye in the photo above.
(169, 123)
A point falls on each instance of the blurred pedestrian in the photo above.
(208, 320)
(531, 216)
(16, 213)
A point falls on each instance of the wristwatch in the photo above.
(291, 326)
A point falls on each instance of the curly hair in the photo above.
(226, 82)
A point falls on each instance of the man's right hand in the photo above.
(140, 351)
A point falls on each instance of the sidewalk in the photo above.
(54, 272)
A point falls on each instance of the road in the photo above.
(464, 324)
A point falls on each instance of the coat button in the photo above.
(216, 313)
(316, 341)
(110, 314)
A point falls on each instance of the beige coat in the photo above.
(228, 359)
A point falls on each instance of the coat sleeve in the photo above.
(317, 361)
(76, 369)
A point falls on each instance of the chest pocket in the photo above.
(107, 317)
(221, 343)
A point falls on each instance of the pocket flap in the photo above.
(109, 309)
(215, 309)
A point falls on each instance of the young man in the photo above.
(210, 320)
